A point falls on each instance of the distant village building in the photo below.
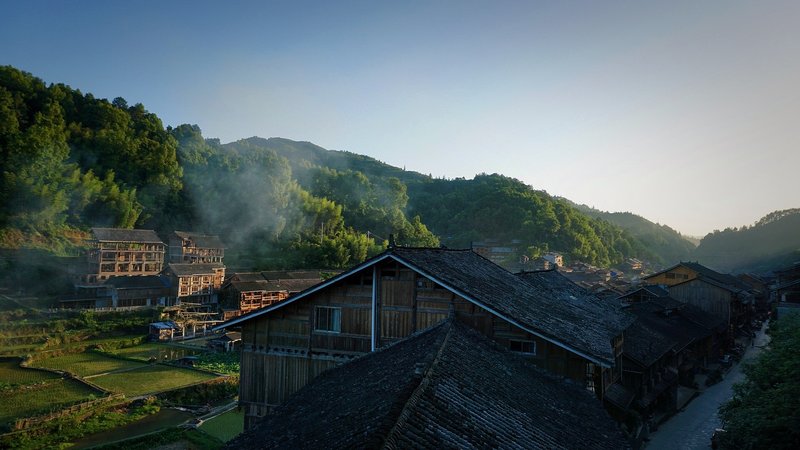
(556, 259)
(496, 252)
(196, 283)
(142, 291)
(249, 291)
(195, 248)
(164, 331)
(446, 387)
(116, 252)
(404, 290)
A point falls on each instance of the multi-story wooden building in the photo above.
(405, 290)
(195, 248)
(116, 252)
(248, 291)
(196, 283)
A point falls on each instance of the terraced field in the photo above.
(161, 352)
(225, 426)
(150, 379)
(12, 374)
(31, 400)
(86, 364)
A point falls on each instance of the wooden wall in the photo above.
(677, 275)
(282, 350)
(706, 296)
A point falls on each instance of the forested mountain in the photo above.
(773, 241)
(669, 246)
(71, 161)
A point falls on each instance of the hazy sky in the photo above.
(687, 113)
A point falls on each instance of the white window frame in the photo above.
(332, 319)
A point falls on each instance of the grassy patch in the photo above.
(225, 426)
(87, 363)
(227, 363)
(32, 400)
(160, 352)
(150, 380)
(12, 374)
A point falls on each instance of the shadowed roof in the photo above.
(545, 302)
(125, 235)
(580, 323)
(201, 240)
(446, 387)
(195, 269)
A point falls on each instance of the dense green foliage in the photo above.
(502, 208)
(771, 242)
(665, 245)
(765, 409)
(71, 161)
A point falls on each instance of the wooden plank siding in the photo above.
(711, 299)
(282, 351)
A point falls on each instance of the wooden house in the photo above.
(404, 290)
(116, 252)
(195, 248)
(196, 283)
(786, 290)
(668, 344)
(246, 292)
(141, 291)
(446, 387)
(720, 294)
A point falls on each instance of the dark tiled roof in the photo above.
(247, 276)
(619, 395)
(293, 275)
(702, 318)
(138, 282)
(195, 269)
(125, 235)
(201, 240)
(537, 302)
(644, 344)
(447, 387)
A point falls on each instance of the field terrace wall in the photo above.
(402, 291)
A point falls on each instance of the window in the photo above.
(528, 347)
(670, 275)
(590, 374)
(327, 318)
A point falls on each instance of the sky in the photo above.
(684, 112)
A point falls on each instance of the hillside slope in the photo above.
(772, 242)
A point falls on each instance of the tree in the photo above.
(765, 409)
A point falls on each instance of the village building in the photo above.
(195, 248)
(245, 292)
(117, 252)
(164, 331)
(786, 292)
(143, 291)
(404, 290)
(668, 345)
(446, 387)
(195, 283)
(722, 295)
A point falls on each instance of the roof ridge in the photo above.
(413, 398)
